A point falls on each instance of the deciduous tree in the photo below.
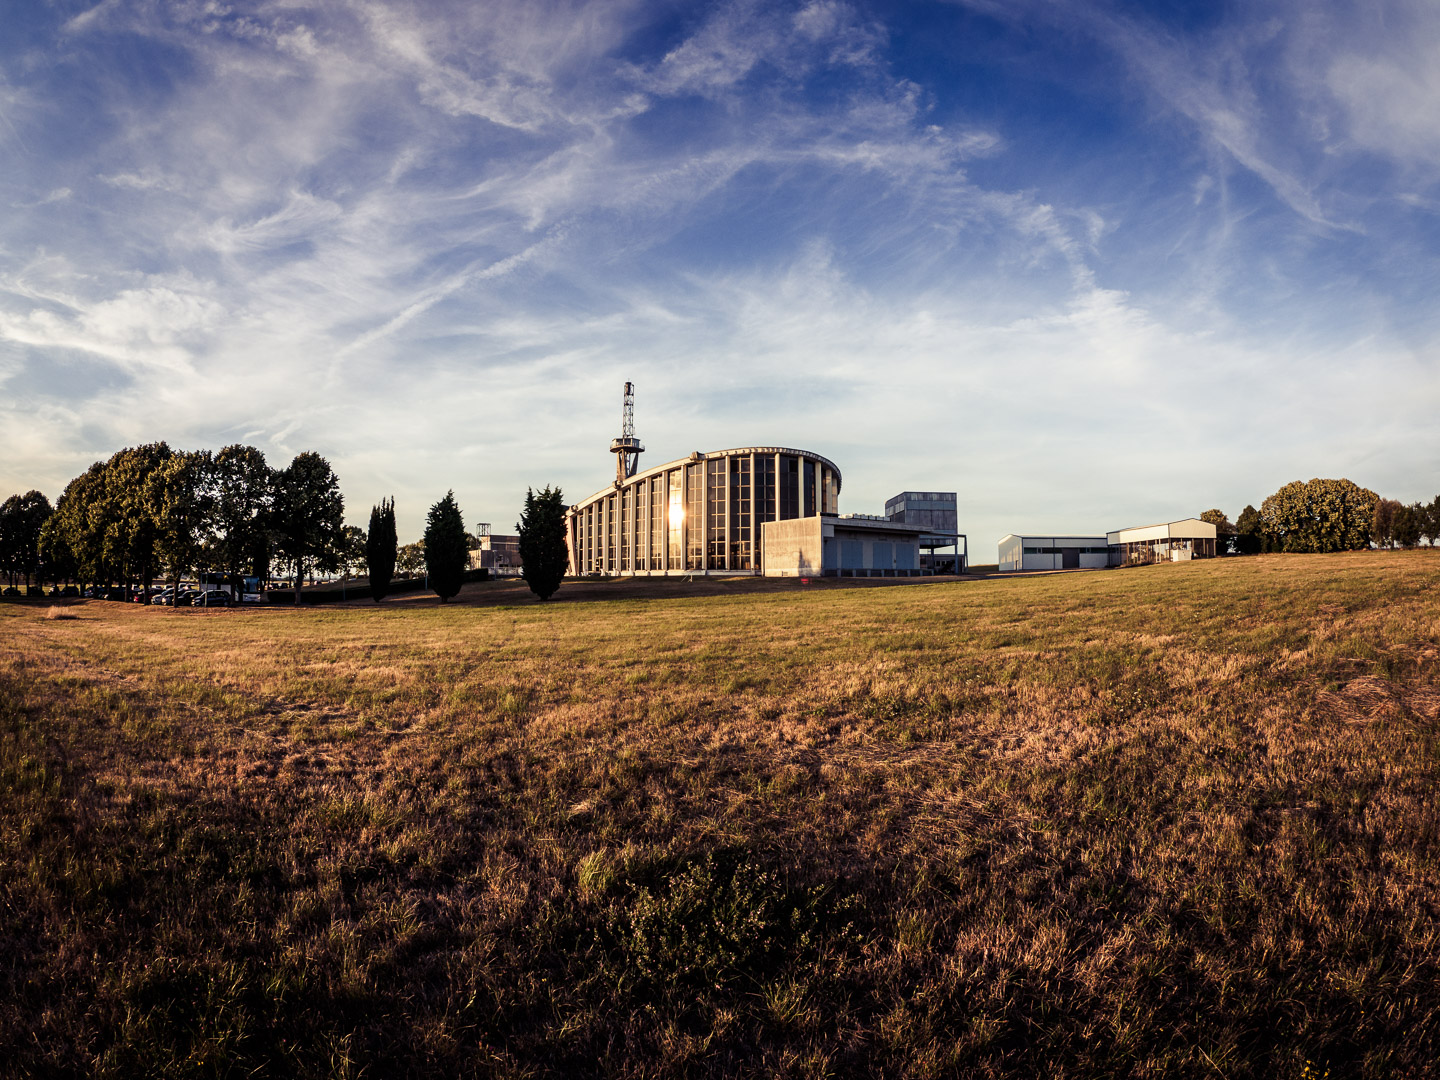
(1382, 522)
(244, 504)
(56, 555)
(352, 550)
(543, 551)
(129, 525)
(446, 553)
(1409, 525)
(410, 559)
(309, 515)
(1224, 531)
(78, 523)
(180, 498)
(380, 550)
(21, 519)
(1249, 534)
(1318, 515)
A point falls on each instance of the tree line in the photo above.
(151, 512)
(1327, 515)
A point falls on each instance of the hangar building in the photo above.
(1172, 541)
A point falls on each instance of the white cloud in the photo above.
(301, 218)
(433, 243)
(1392, 101)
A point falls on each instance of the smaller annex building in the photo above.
(935, 511)
(1171, 541)
(496, 552)
(1174, 541)
(1053, 552)
(834, 545)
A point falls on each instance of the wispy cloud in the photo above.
(431, 240)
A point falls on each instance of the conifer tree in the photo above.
(380, 547)
(446, 550)
(543, 552)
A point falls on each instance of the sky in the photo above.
(1088, 264)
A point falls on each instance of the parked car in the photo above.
(213, 598)
(165, 597)
(187, 597)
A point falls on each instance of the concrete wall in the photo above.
(1009, 554)
(793, 548)
(814, 547)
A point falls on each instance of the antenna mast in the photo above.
(627, 448)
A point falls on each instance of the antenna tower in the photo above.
(627, 448)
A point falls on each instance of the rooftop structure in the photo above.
(935, 512)
(497, 552)
(627, 447)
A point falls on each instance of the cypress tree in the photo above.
(446, 552)
(543, 551)
(380, 547)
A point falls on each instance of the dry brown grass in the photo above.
(1167, 822)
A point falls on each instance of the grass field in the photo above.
(1172, 821)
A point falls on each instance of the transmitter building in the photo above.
(771, 510)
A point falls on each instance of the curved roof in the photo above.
(690, 459)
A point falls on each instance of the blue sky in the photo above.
(1088, 264)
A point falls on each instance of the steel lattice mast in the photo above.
(627, 447)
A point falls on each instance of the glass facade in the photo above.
(765, 486)
(740, 512)
(657, 523)
(789, 488)
(610, 564)
(700, 515)
(627, 526)
(717, 508)
(676, 520)
(694, 517)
